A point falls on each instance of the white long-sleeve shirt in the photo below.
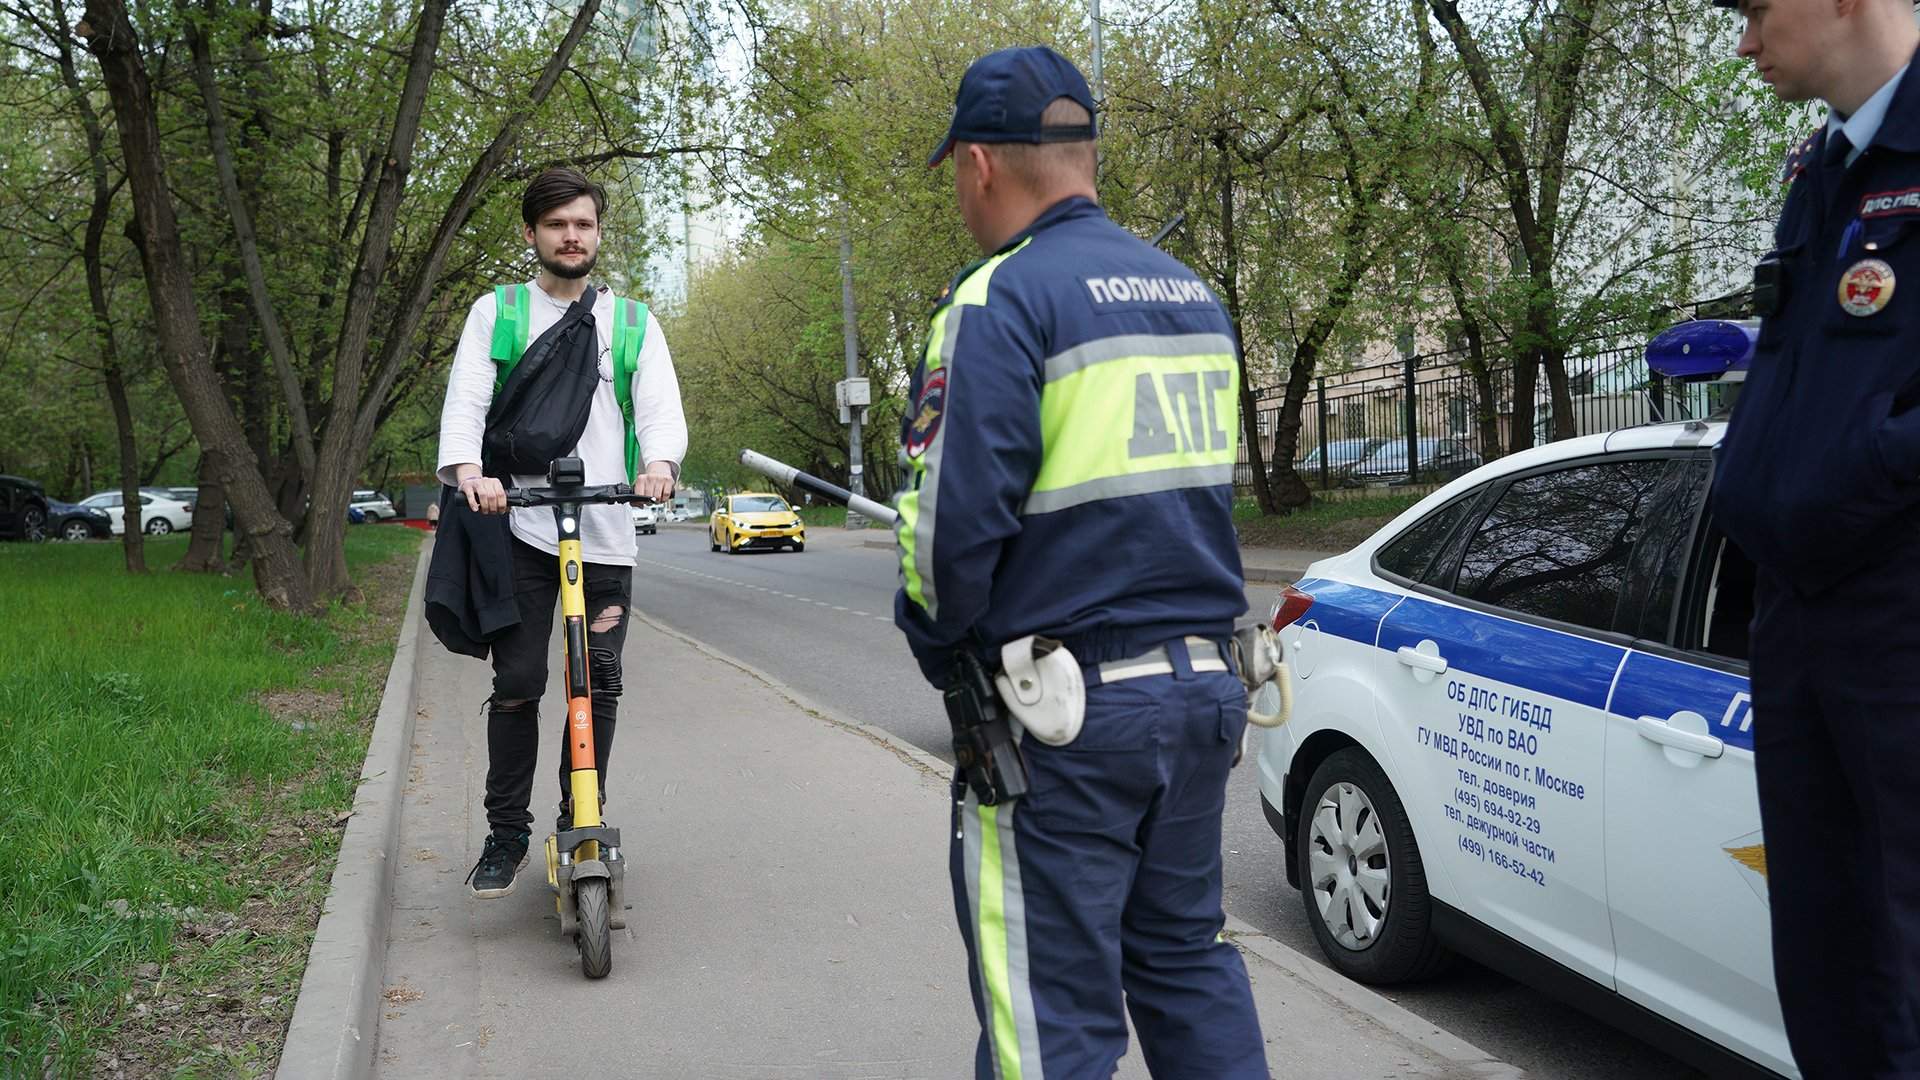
(606, 532)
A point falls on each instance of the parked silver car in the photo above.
(374, 504)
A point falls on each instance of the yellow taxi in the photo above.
(755, 520)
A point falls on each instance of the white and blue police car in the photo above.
(1521, 732)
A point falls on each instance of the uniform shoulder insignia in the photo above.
(940, 301)
(1798, 157)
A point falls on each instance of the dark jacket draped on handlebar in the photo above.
(470, 579)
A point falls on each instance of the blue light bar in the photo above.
(1703, 349)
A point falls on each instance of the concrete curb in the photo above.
(331, 1036)
(1349, 994)
(1352, 995)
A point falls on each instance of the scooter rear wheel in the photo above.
(595, 936)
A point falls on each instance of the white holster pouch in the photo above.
(1263, 670)
(1041, 684)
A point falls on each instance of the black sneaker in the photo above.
(500, 860)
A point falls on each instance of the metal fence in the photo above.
(1419, 421)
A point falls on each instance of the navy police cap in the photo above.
(1003, 95)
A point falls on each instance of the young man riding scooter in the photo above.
(587, 373)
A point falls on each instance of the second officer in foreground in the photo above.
(1070, 451)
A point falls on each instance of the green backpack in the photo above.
(510, 309)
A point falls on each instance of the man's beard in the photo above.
(570, 271)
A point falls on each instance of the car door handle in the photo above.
(1654, 729)
(1420, 661)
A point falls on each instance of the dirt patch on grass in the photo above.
(302, 709)
(221, 1003)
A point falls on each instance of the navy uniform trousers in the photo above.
(1836, 725)
(1101, 887)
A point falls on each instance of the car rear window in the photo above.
(1558, 544)
(1411, 554)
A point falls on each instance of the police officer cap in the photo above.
(1003, 94)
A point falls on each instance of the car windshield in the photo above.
(758, 504)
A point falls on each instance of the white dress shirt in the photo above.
(606, 531)
(1864, 124)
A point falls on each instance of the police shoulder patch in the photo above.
(928, 410)
(1798, 157)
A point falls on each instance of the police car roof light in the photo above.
(1293, 604)
(1704, 349)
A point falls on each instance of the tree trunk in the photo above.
(1230, 285)
(354, 408)
(1526, 384)
(133, 540)
(277, 570)
(1293, 492)
(204, 551)
(1485, 406)
(241, 215)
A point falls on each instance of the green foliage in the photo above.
(1354, 199)
(139, 769)
(310, 90)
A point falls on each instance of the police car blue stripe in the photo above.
(1560, 665)
(1521, 654)
(1346, 611)
(1659, 687)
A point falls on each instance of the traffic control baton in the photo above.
(783, 473)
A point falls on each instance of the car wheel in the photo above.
(713, 541)
(1365, 887)
(33, 524)
(75, 530)
(159, 527)
(799, 546)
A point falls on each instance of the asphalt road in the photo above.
(821, 621)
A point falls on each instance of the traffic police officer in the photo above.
(1818, 481)
(1069, 463)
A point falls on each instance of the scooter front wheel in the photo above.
(595, 936)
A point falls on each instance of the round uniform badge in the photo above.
(1866, 287)
(927, 411)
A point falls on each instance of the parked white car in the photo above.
(1522, 731)
(374, 504)
(645, 520)
(159, 513)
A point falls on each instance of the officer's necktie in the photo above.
(1837, 148)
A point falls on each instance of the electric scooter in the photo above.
(584, 866)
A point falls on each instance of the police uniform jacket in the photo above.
(1069, 452)
(1819, 472)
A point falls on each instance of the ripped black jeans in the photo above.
(521, 660)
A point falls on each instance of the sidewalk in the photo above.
(791, 912)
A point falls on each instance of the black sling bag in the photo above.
(540, 411)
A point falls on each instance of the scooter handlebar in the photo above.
(603, 493)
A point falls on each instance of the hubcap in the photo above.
(1348, 867)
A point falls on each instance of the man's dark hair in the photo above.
(557, 187)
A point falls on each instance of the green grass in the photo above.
(141, 776)
(825, 516)
(1325, 525)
